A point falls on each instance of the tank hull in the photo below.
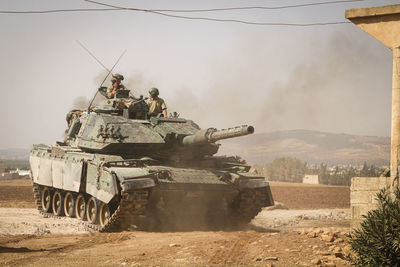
(110, 193)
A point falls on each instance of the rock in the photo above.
(338, 240)
(328, 237)
(312, 235)
(269, 265)
(314, 247)
(258, 259)
(318, 231)
(302, 217)
(271, 258)
(323, 253)
(339, 255)
(337, 249)
(331, 258)
(316, 261)
(173, 245)
(330, 264)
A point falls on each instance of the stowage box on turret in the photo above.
(119, 169)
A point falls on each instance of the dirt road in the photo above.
(305, 236)
(273, 237)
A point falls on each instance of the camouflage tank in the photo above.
(117, 168)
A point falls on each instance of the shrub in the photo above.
(376, 242)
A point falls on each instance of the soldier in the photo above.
(116, 85)
(156, 104)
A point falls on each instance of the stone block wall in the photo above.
(363, 192)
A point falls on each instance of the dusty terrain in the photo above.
(311, 232)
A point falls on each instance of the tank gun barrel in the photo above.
(212, 135)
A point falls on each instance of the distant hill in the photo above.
(14, 154)
(310, 146)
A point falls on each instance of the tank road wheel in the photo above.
(46, 199)
(92, 210)
(69, 205)
(58, 203)
(80, 207)
(104, 214)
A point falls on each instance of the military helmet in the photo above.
(154, 91)
(116, 77)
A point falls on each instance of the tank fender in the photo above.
(137, 183)
(135, 178)
(58, 172)
(244, 180)
(251, 183)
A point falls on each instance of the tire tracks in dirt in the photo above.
(73, 243)
(235, 251)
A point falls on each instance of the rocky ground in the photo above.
(306, 234)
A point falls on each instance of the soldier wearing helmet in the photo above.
(116, 85)
(156, 104)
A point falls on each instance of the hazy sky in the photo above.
(332, 78)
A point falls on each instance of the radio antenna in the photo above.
(109, 72)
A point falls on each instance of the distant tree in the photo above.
(289, 169)
(286, 169)
(365, 170)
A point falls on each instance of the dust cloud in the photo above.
(337, 84)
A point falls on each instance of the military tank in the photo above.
(118, 168)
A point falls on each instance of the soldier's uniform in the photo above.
(111, 88)
(115, 77)
(156, 106)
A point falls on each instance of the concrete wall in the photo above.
(310, 179)
(363, 192)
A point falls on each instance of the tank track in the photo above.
(36, 196)
(248, 204)
(131, 206)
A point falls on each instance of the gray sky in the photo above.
(330, 78)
